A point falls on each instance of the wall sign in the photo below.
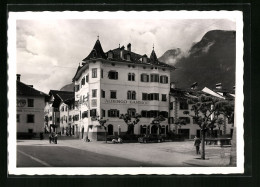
(125, 101)
(20, 102)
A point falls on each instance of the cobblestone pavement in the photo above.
(164, 154)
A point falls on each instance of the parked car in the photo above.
(150, 138)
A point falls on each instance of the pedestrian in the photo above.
(197, 144)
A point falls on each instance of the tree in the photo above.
(179, 123)
(204, 107)
(157, 121)
(129, 122)
(101, 122)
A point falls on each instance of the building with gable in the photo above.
(179, 106)
(121, 81)
(29, 110)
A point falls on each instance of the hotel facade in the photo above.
(121, 82)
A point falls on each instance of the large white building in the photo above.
(119, 82)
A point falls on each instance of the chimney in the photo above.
(129, 47)
(30, 86)
(173, 85)
(218, 86)
(18, 76)
(121, 52)
(194, 86)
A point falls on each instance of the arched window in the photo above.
(110, 129)
(129, 95)
(154, 129)
(131, 77)
(133, 95)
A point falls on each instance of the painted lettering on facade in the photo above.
(125, 101)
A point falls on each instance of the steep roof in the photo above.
(97, 52)
(26, 90)
(59, 96)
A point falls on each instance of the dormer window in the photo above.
(128, 57)
(94, 53)
(144, 59)
(110, 55)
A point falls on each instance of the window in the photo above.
(154, 113)
(62, 108)
(171, 106)
(113, 75)
(171, 120)
(103, 94)
(61, 119)
(30, 102)
(131, 77)
(153, 96)
(184, 105)
(103, 113)
(110, 55)
(66, 108)
(85, 114)
(18, 118)
(131, 112)
(86, 78)
(76, 88)
(154, 78)
(58, 120)
(128, 57)
(144, 59)
(131, 95)
(113, 113)
(76, 118)
(102, 72)
(164, 79)
(164, 97)
(110, 129)
(83, 81)
(145, 114)
(50, 118)
(144, 96)
(94, 73)
(94, 93)
(164, 114)
(30, 118)
(187, 119)
(144, 78)
(112, 94)
(93, 112)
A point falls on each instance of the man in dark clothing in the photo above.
(197, 144)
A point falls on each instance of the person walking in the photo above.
(197, 144)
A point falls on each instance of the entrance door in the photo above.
(198, 133)
(154, 129)
(185, 133)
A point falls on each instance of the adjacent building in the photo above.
(179, 108)
(29, 110)
(117, 82)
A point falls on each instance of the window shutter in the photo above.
(116, 75)
(109, 113)
(149, 96)
(142, 77)
(161, 79)
(166, 79)
(117, 113)
(147, 78)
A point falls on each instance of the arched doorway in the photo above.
(110, 129)
(154, 129)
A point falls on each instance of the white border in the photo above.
(239, 108)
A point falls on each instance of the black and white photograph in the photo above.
(157, 92)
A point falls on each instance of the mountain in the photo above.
(171, 56)
(211, 60)
(68, 87)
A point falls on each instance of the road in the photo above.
(63, 156)
(77, 153)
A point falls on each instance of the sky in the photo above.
(49, 51)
